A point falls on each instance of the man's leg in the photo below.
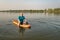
(21, 23)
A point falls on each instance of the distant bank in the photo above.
(50, 10)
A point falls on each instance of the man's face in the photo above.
(21, 14)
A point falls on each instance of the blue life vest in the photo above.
(21, 18)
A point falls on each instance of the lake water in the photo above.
(44, 26)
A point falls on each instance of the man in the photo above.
(21, 18)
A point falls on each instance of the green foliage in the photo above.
(50, 10)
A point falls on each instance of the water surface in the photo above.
(44, 26)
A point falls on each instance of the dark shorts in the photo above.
(21, 23)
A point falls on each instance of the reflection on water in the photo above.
(21, 32)
(44, 26)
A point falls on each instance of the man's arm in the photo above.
(18, 21)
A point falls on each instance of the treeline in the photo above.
(32, 11)
(55, 10)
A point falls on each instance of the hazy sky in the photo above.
(28, 4)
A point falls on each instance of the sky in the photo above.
(28, 4)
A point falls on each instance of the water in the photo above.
(44, 26)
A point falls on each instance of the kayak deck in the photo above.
(23, 26)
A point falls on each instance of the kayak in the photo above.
(23, 25)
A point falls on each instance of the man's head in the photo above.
(21, 14)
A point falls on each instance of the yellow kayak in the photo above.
(23, 26)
